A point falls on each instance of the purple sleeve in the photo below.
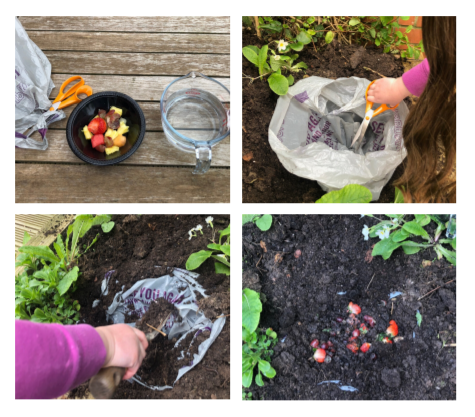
(51, 359)
(416, 78)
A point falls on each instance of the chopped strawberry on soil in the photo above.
(319, 355)
(365, 347)
(97, 126)
(97, 140)
(387, 340)
(353, 347)
(355, 333)
(363, 329)
(314, 343)
(393, 329)
(368, 319)
(354, 308)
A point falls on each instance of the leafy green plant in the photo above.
(257, 344)
(419, 318)
(246, 396)
(221, 252)
(263, 222)
(397, 232)
(107, 227)
(398, 198)
(351, 193)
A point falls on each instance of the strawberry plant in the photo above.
(397, 232)
(220, 251)
(257, 343)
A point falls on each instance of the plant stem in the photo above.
(256, 23)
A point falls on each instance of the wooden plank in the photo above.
(155, 150)
(140, 88)
(180, 24)
(137, 63)
(51, 183)
(151, 112)
(131, 42)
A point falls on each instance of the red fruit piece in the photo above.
(353, 347)
(354, 308)
(365, 347)
(355, 333)
(97, 126)
(314, 343)
(339, 319)
(97, 140)
(392, 330)
(368, 319)
(387, 340)
(363, 329)
(101, 148)
(352, 338)
(330, 344)
(297, 253)
(109, 142)
(319, 355)
(324, 346)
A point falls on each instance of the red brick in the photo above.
(411, 21)
(419, 22)
(415, 36)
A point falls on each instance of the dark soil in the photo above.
(157, 311)
(265, 180)
(147, 246)
(300, 302)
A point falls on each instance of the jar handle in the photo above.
(203, 159)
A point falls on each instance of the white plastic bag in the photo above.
(33, 86)
(313, 127)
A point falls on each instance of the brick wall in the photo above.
(415, 35)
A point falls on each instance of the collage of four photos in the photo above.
(115, 111)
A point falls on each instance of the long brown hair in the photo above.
(430, 128)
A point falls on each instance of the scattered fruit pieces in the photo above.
(393, 329)
(368, 319)
(353, 347)
(355, 333)
(112, 150)
(365, 347)
(97, 126)
(116, 110)
(363, 329)
(112, 118)
(108, 142)
(123, 128)
(319, 355)
(314, 343)
(97, 140)
(354, 308)
(111, 133)
(339, 319)
(87, 134)
(119, 141)
(324, 346)
(386, 340)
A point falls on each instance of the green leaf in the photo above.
(448, 254)
(259, 380)
(214, 246)
(352, 193)
(354, 22)
(410, 250)
(408, 29)
(454, 243)
(275, 64)
(251, 309)
(247, 218)
(107, 227)
(263, 365)
(38, 316)
(264, 223)
(226, 249)
(329, 37)
(310, 20)
(415, 229)
(26, 238)
(419, 318)
(372, 32)
(296, 46)
(290, 79)
(220, 268)
(262, 58)
(386, 19)
(247, 378)
(100, 219)
(404, 17)
(67, 280)
(387, 49)
(39, 252)
(251, 55)
(300, 65)
(399, 236)
(399, 198)
(422, 219)
(278, 84)
(221, 259)
(385, 248)
(59, 251)
(377, 42)
(270, 373)
(224, 232)
(196, 259)
(304, 38)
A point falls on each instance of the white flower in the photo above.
(191, 233)
(395, 221)
(365, 232)
(282, 45)
(222, 255)
(198, 228)
(209, 220)
(383, 233)
(277, 57)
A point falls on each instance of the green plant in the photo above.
(223, 254)
(263, 222)
(107, 227)
(398, 197)
(351, 193)
(397, 232)
(257, 344)
(246, 396)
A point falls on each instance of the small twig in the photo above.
(243, 128)
(226, 380)
(256, 23)
(252, 79)
(159, 331)
(392, 307)
(258, 261)
(451, 345)
(211, 370)
(227, 315)
(370, 281)
(369, 69)
(440, 286)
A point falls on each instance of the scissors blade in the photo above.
(362, 129)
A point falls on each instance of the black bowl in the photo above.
(87, 109)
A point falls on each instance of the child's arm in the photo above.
(393, 90)
(51, 359)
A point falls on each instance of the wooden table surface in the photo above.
(139, 56)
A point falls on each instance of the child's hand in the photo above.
(388, 91)
(125, 347)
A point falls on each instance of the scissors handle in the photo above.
(61, 95)
(74, 99)
(382, 108)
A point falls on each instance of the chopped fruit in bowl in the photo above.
(107, 130)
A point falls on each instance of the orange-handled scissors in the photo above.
(65, 99)
(369, 113)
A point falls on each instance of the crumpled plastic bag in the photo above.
(179, 288)
(33, 86)
(314, 124)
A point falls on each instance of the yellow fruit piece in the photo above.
(111, 133)
(86, 132)
(96, 117)
(112, 149)
(122, 129)
(116, 109)
(119, 141)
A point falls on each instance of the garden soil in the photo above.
(301, 303)
(140, 247)
(265, 180)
